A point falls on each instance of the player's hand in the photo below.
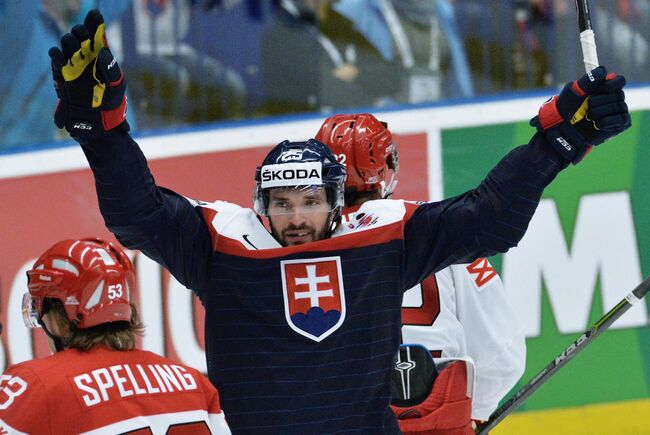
(587, 112)
(88, 81)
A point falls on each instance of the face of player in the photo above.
(299, 216)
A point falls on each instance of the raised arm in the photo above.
(162, 224)
(493, 217)
(92, 108)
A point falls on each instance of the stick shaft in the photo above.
(563, 358)
(584, 18)
(587, 38)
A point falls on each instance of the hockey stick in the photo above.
(567, 354)
(587, 39)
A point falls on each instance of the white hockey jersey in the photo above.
(462, 312)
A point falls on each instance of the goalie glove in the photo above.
(426, 402)
(587, 112)
(88, 81)
(413, 375)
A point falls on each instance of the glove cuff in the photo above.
(114, 117)
(568, 142)
(82, 121)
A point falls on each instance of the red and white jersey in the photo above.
(104, 391)
(461, 312)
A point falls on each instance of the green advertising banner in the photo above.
(601, 213)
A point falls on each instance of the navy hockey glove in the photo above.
(587, 112)
(88, 81)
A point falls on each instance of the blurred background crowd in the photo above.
(196, 61)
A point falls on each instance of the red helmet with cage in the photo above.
(366, 147)
(92, 278)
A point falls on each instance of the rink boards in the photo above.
(587, 246)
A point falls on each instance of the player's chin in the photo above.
(295, 241)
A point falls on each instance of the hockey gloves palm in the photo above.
(88, 81)
(587, 112)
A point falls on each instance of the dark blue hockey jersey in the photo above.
(301, 339)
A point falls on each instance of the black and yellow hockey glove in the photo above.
(88, 81)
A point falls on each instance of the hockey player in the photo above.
(302, 324)
(461, 314)
(80, 293)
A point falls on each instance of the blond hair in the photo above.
(114, 335)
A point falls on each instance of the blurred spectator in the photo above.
(313, 59)
(620, 30)
(26, 99)
(233, 34)
(422, 36)
(199, 60)
(507, 42)
(171, 81)
(551, 27)
(530, 56)
(524, 54)
(622, 33)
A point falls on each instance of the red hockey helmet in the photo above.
(366, 147)
(92, 278)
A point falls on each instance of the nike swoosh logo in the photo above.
(245, 236)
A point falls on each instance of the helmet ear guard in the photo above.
(299, 165)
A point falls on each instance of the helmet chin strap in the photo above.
(59, 344)
(335, 220)
(387, 188)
